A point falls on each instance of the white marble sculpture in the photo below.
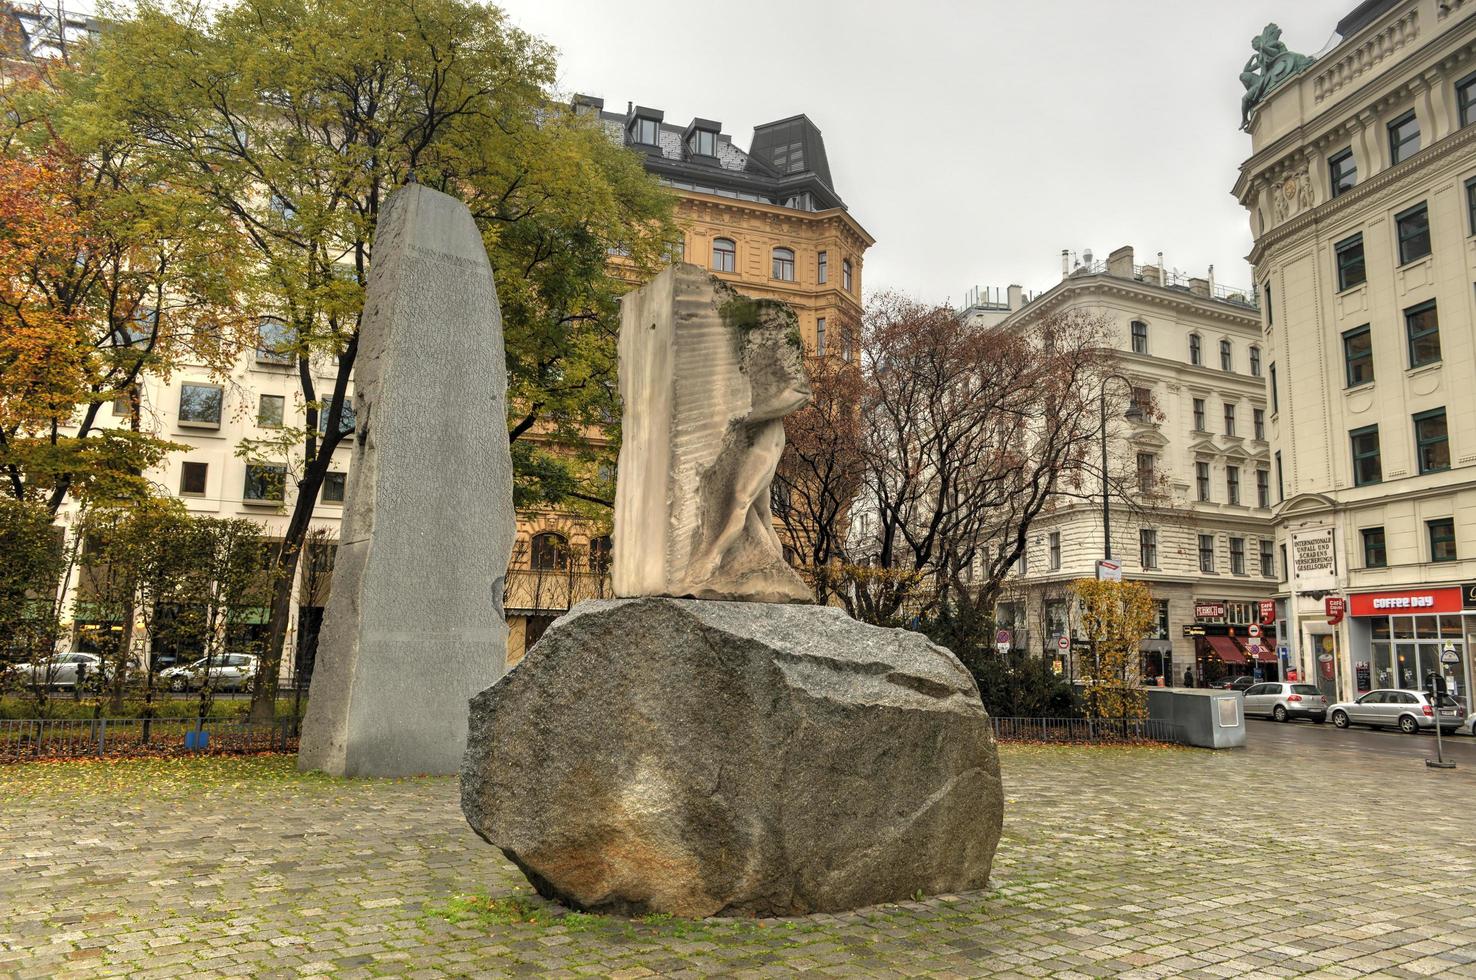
(706, 377)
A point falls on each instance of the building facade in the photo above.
(1189, 464)
(1361, 192)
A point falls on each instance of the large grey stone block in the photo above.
(725, 758)
(414, 622)
(706, 376)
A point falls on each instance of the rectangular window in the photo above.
(1466, 99)
(1258, 422)
(1196, 350)
(1367, 469)
(1148, 547)
(1275, 395)
(1349, 254)
(820, 336)
(200, 404)
(1147, 476)
(1270, 312)
(1282, 549)
(123, 403)
(1404, 138)
(783, 265)
(1202, 480)
(1374, 555)
(1280, 481)
(274, 342)
(1140, 337)
(822, 268)
(347, 418)
(644, 131)
(1358, 366)
(846, 275)
(1226, 360)
(1229, 419)
(192, 478)
(1207, 553)
(1343, 171)
(333, 487)
(1232, 484)
(1199, 415)
(1237, 556)
(1055, 540)
(1141, 404)
(269, 411)
(264, 481)
(703, 142)
(1263, 488)
(1255, 355)
(1413, 227)
(1268, 563)
(1471, 203)
(1442, 539)
(1422, 325)
(1433, 441)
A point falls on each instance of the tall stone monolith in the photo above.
(414, 624)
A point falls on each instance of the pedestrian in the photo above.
(81, 679)
(1188, 676)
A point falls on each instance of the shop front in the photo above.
(1403, 638)
(1229, 642)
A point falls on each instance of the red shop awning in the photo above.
(1225, 648)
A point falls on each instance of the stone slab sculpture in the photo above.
(706, 378)
(679, 750)
(414, 624)
(720, 758)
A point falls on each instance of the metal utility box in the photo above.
(1206, 718)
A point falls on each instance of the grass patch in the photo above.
(60, 706)
(154, 777)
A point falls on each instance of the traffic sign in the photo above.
(1253, 630)
(1063, 643)
(1449, 656)
(1002, 641)
(1109, 570)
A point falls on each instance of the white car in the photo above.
(228, 672)
(61, 670)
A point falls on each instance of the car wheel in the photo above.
(1340, 719)
(178, 684)
(1408, 725)
(1279, 713)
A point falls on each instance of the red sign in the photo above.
(1209, 610)
(1409, 602)
(1336, 606)
(1268, 612)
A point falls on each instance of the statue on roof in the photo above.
(1270, 66)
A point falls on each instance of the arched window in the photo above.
(784, 264)
(724, 255)
(599, 554)
(1196, 350)
(550, 552)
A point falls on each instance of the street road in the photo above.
(1352, 744)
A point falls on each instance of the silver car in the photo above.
(1284, 701)
(61, 670)
(1409, 711)
(228, 672)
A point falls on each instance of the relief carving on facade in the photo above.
(1292, 195)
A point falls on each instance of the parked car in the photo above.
(1471, 724)
(61, 670)
(1284, 701)
(1409, 711)
(228, 672)
(1241, 683)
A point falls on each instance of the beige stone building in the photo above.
(1189, 464)
(1361, 192)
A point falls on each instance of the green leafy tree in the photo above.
(295, 120)
(35, 561)
(1115, 618)
(227, 583)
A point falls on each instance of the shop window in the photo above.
(1413, 227)
(1343, 171)
(1433, 441)
(1422, 327)
(1349, 253)
(1442, 539)
(1358, 366)
(1367, 467)
(1374, 555)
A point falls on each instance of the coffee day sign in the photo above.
(1314, 559)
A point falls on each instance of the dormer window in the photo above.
(645, 131)
(702, 142)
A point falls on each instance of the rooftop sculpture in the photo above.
(1270, 66)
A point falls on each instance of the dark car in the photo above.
(1240, 683)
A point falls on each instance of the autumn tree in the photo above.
(295, 119)
(35, 559)
(1113, 617)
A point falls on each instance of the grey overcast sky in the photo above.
(974, 140)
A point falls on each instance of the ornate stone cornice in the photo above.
(1366, 56)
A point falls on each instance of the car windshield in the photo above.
(1304, 689)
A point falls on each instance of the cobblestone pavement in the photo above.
(1274, 861)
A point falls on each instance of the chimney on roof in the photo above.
(1212, 280)
(1199, 287)
(1162, 280)
(1086, 259)
(1016, 296)
(1120, 263)
(1065, 263)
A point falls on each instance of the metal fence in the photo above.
(46, 738)
(1084, 731)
